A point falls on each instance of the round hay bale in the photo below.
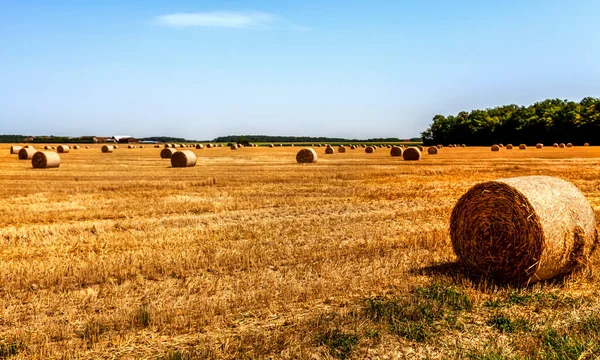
(130, 146)
(412, 154)
(63, 149)
(28, 146)
(495, 147)
(329, 150)
(369, 149)
(352, 147)
(421, 148)
(115, 146)
(586, 144)
(199, 146)
(166, 153)
(183, 158)
(167, 146)
(54, 148)
(523, 229)
(15, 149)
(539, 146)
(562, 145)
(450, 145)
(47, 147)
(107, 148)
(500, 145)
(45, 160)
(569, 145)
(76, 147)
(463, 145)
(307, 156)
(280, 145)
(87, 147)
(141, 146)
(509, 147)
(26, 153)
(234, 147)
(271, 146)
(432, 150)
(318, 145)
(396, 151)
(341, 149)
(522, 147)
(181, 145)
(555, 145)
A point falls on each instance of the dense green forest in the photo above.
(547, 122)
(12, 138)
(166, 139)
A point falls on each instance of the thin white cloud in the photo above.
(220, 19)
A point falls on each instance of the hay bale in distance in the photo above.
(166, 153)
(271, 146)
(421, 148)
(539, 146)
(15, 149)
(341, 149)
(45, 160)
(63, 149)
(369, 149)
(500, 145)
(199, 146)
(495, 147)
(522, 147)
(329, 150)
(26, 153)
(555, 145)
(183, 158)
(234, 147)
(432, 150)
(76, 147)
(307, 156)
(396, 151)
(569, 145)
(586, 144)
(107, 148)
(562, 145)
(509, 147)
(523, 229)
(47, 147)
(412, 153)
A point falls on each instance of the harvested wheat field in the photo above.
(252, 255)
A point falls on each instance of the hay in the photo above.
(182, 145)
(199, 146)
(509, 147)
(234, 147)
(522, 147)
(167, 146)
(555, 145)
(76, 147)
(450, 145)
(396, 151)
(107, 148)
(47, 147)
(569, 145)
(586, 144)
(183, 158)
(501, 145)
(26, 153)
(54, 148)
(63, 149)
(141, 146)
(412, 154)
(561, 145)
(45, 160)
(15, 149)
(329, 150)
(271, 145)
(167, 153)
(523, 229)
(495, 147)
(307, 156)
(341, 149)
(539, 146)
(463, 145)
(432, 150)
(369, 149)
(87, 147)
(352, 147)
(115, 146)
(421, 148)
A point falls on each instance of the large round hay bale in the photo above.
(271, 145)
(63, 149)
(523, 229)
(539, 146)
(15, 149)
(369, 149)
(421, 148)
(411, 153)
(522, 147)
(500, 145)
(495, 147)
(199, 146)
(306, 156)
(166, 153)
(26, 153)
(569, 145)
(432, 150)
(107, 148)
(45, 160)
(463, 145)
(183, 158)
(341, 149)
(234, 147)
(586, 144)
(329, 150)
(509, 147)
(562, 145)
(555, 145)
(396, 151)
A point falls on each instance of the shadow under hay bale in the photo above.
(524, 229)
(307, 156)
(183, 158)
(411, 154)
(45, 160)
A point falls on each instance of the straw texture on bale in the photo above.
(329, 150)
(569, 145)
(495, 147)
(107, 149)
(522, 147)
(523, 229)
(369, 149)
(234, 147)
(539, 145)
(15, 149)
(45, 160)
(432, 150)
(199, 146)
(167, 153)
(411, 153)
(396, 151)
(183, 158)
(63, 149)
(561, 145)
(421, 148)
(341, 149)
(307, 156)
(26, 153)
(509, 147)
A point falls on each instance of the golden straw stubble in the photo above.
(524, 229)
(307, 156)
(183, 158)
(45, 160)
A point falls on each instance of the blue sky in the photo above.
(359, 69)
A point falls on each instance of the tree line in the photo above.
(549, 121)
(299, 139)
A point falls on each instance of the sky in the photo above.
(339, 68)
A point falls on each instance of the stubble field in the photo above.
(251, 255)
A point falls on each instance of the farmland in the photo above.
(249, 254)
